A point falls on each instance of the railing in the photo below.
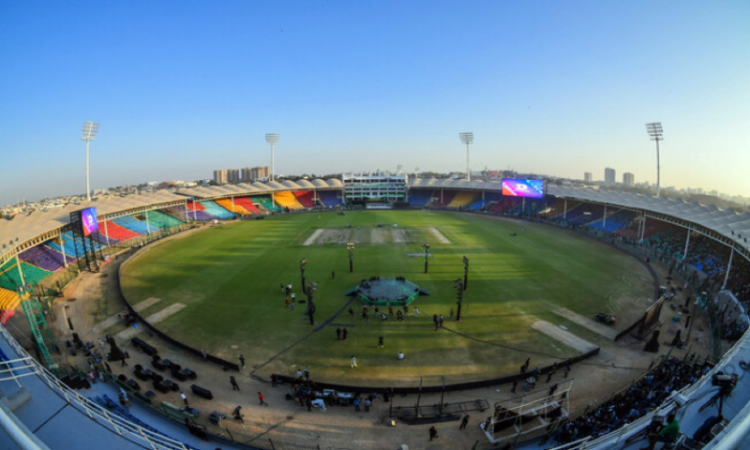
(121, 426)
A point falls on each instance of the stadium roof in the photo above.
(728, 223)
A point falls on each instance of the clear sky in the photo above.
(554, 87)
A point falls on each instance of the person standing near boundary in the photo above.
(464, 422)
(235, 386)
(343, 334)
(338, 334)
(242, 360)
(353, 362)
(380, 342)
(260, 397)
(184, 398)
(433, 433)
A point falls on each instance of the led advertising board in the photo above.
(90, 223)
(521, 187)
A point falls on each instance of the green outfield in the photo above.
(522, 277)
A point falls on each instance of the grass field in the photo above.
(228, 278)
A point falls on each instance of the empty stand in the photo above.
(10, 279)
(116, 231)
(247, 203)
(287, 200)
(444, 197)
(133, 224)
(160, 220)
(227, 204)
(44, 257)
(305, 198)
(216, 211)
(330, 198)
(420, 197)
(266, 203)
(462, 199)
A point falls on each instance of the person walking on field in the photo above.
(464, 422)
(260, 397)
(433, 433)
(380, 342)
(353, 362)
(235, 386)
(338, 334)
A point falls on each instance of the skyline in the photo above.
(559, 89)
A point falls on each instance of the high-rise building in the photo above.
(588, 177)
(628, 179)
(233, 175)
(260, 172)
(220, 176)
(245, 174)
(609, 176)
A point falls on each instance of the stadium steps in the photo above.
(10, 279)
(266, 203)
(247, 203)
(159, 219)
(420, 197)
(305, 198)
(462, 199)
(287, 200)
(116, 231)
(216, 211)
(8, 299)
(227, 204)
(133, 224)
(329, 198)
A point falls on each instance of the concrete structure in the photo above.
(609, 176)
(628, 179)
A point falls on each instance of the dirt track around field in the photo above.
(89, 301)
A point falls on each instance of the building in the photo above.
(628, 179)
(220, 176)
(588, 177)
(609, 176)
(233, 175)
(384, 189)
(254, 173)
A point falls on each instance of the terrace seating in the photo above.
(199, 215)
(462, 199)
(287, 200)
(330, 198)
(420, 197)
(70, 244)
(195, 206)
(305, 198)
(44, 257)
(133, 224)
(10, 279)
(444, 197)
(266, 203)
(247, 203)
(8, 299)
(227, 204)
(216, 211)
(158, 219)
(116, 231)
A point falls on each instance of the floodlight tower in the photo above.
(89, 132)
(655, 131)
(467, 138)
(272, 139)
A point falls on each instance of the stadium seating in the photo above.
(44, 257)
(444, 197)
(287, 200)
(330, 198)
(195, 206)
(70, 244)
(305, 198)
(462, 199)
(247, 203)
(158, 219)
(489, 198)
(200, 216)
(116, 231)
(8, 299)
(420, 197)
(227, 204)
(615, 222)
(133, 224)
(10, 279)
(266, 203)
(216, 211)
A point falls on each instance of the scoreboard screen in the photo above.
(89, 221)
(521, 187)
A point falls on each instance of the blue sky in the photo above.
(552, 87)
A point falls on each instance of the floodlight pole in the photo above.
(350, 248)
(272, 139)
(89, 132)
(467, 138)
(426, 248)
(302, 274)
(654, 130)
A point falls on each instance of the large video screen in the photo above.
(521, 187)
(90, 222)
